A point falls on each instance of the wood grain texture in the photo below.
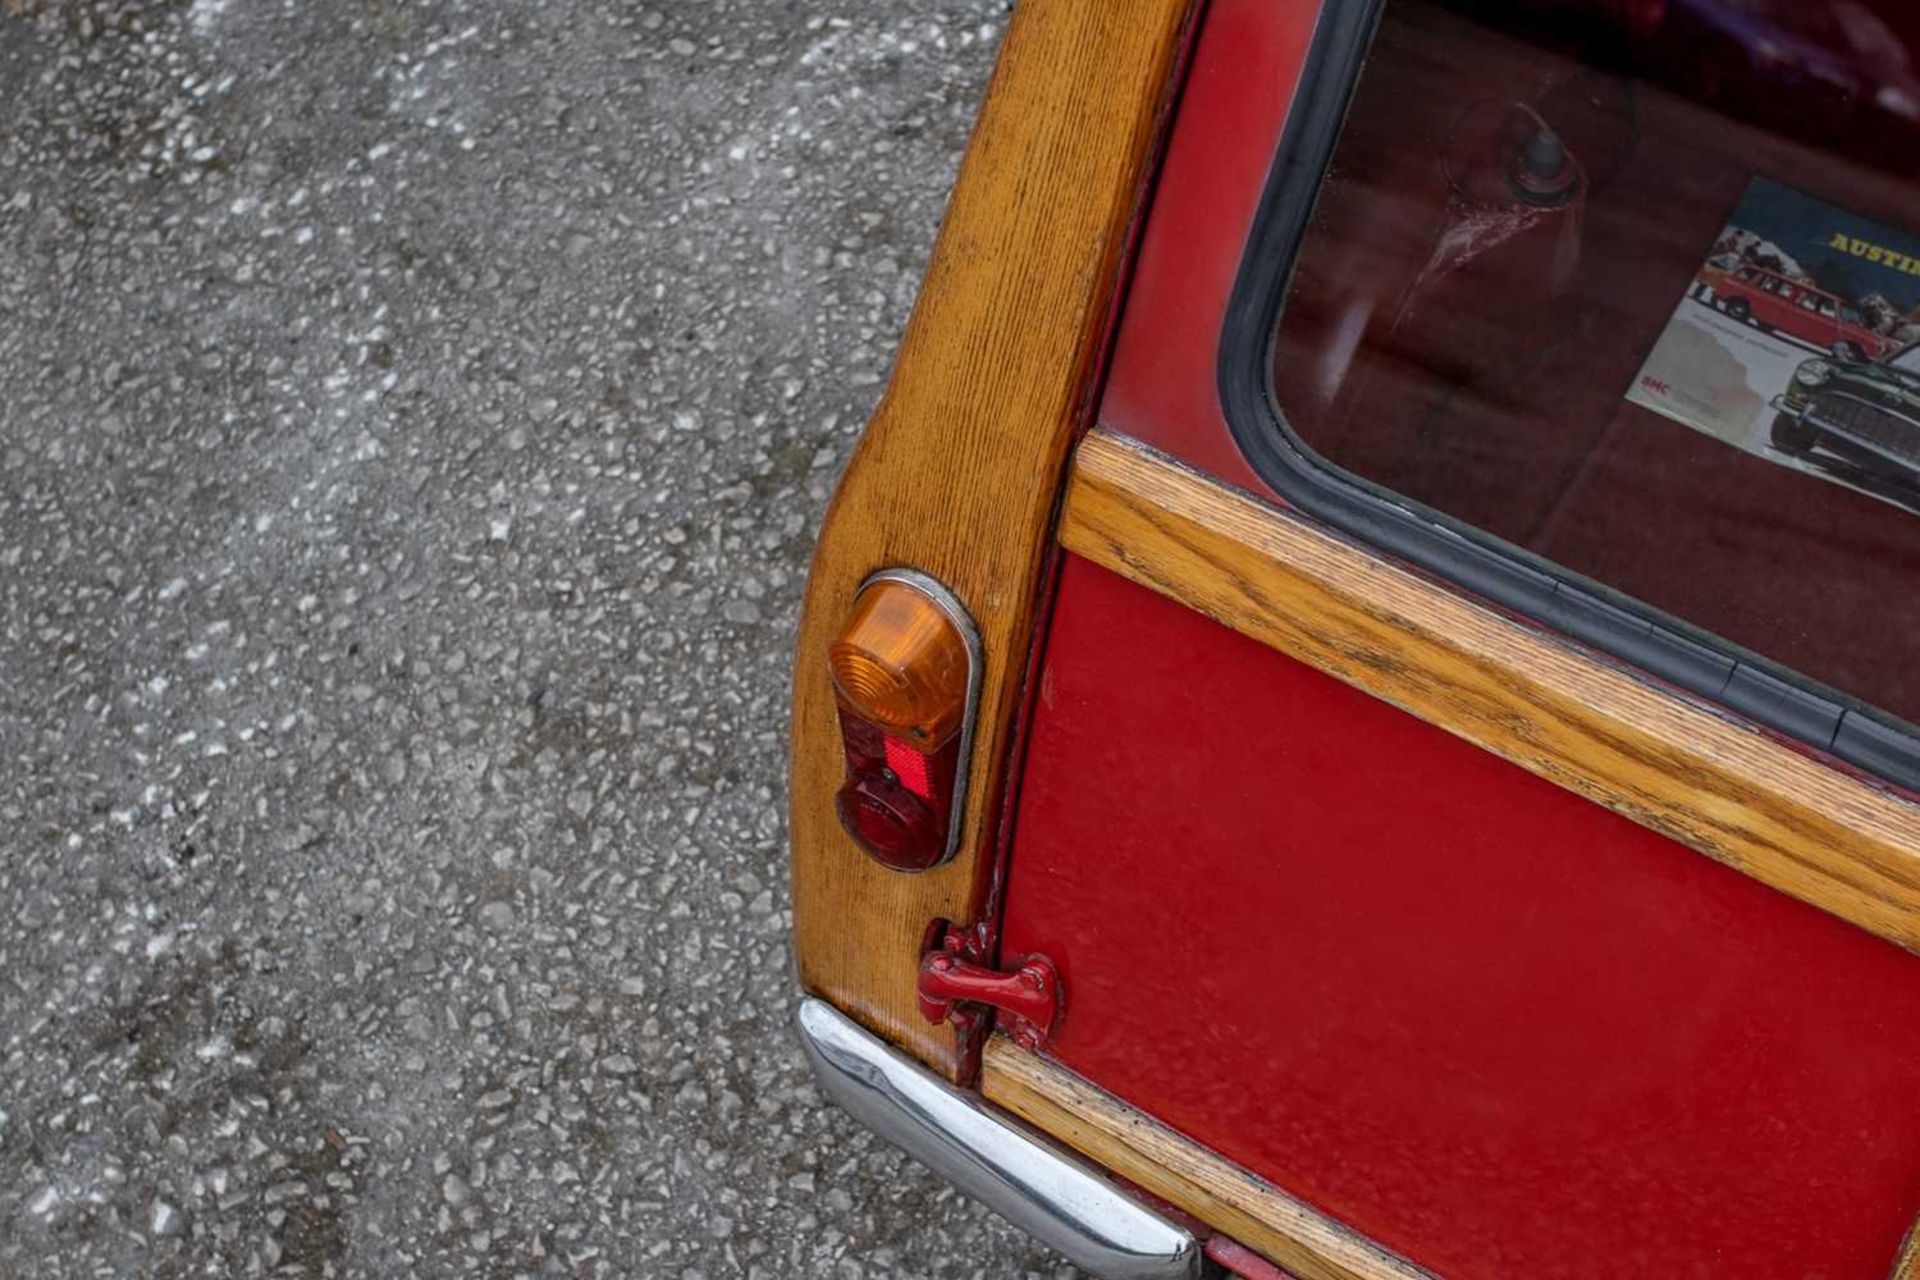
(1184, 1174)
(1691, 772)
(1907, 1265)
(959, 472)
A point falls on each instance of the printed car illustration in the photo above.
(1863, 416)
(1295, 770)
(1799, 310)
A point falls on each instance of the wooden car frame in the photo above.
(984, 468)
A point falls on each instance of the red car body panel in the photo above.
(1503, 1031)
(1161, 382)
(1473, 1016)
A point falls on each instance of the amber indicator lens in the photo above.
(901, 665)
(903, 670)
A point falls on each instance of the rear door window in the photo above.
(1568, 292)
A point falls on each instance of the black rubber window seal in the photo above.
(1593, 614)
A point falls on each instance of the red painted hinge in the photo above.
(955, 989)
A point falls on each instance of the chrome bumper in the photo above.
(1023, 1177)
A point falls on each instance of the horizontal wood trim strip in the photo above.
(1186, 1175)
(959, 472)
(1816, 832)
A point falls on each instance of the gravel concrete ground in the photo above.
(413, 421)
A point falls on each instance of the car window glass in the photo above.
(1547, 307)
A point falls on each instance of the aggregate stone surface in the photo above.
(414, 420)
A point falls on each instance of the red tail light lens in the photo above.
(890, 822)
(905, 669)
